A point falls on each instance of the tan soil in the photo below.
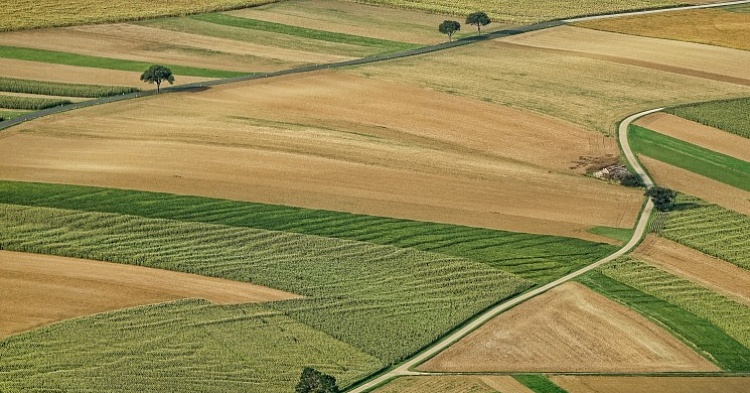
(42, 289)
(505, 384)
(71, 74)
(569, 329)
(141, 43)
(598, 384)
(698, 134)
(337, 142)
(437, 384)
(722, 64)
(691, 183)
(715, 274)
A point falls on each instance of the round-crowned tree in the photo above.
(663, 198)
(478, 19)
(448, 27)
(157, 74)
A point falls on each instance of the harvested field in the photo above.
(549, 81)
(40, 289)
(708, 26)
(160, 46)
(598, 384)
(715, 274)
(703, 187)
(335, 142)
(704, 61)
(505, 384)
(22, 69)
(698, 134)
(569, 329)
(437, 384)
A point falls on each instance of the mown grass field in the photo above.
(726, 115)
(61, 89)
(708, 228)
(72, 59)
(707, 338)
(622, 235)
(710, 26)
(534, 257)
(539, 383)
(30, 14)
(186, 346)
(702, 161)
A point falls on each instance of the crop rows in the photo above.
(730, 316)
(727, 115)
(711, 229)
(30, 103)
(708, 339)
(436, 384)
(534, 257)
(386, 301)
(185, 346)
(61, 89)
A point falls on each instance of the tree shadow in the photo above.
(191, 89)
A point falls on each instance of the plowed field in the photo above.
(454, 384)
(720, 276)
(583, 384)
(41, 289)
(698, 134)
(335, 142)
(568, 329)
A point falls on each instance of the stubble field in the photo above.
(597, 384)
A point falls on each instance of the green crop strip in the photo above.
(539, 383)
(727, 115)
(321, 35)
(622, 235)
(30, 103)
(6, 114)
(183, 346)
(61, 89)
(717, 166)
(72, 59)
(534, 257)
(706, 337)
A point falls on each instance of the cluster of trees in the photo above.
(313, 381)
(478, 19)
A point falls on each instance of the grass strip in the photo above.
(534, 257)
(182, 346)
(702, 335)
(539, 383)
(623, 235)
(25, 86)
(9, 114)
(705, 162)
(30, 103)
(727, 115)
(321, 35)
(72, 59)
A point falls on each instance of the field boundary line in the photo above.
(646, 12)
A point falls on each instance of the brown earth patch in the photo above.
(72, 74)
(703, 187)
(337, 142)
(569, 329)
(436, 384)
(704, 61)
(598, 384)
(715, 274)
(505, 384)
(42, 289)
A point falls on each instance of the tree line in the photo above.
(478, 19)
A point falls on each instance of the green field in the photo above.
(184, 346)
(730, 316)
(539, 383)
(30, 103)
(9, 114)
(727, 115)
(61, 89)
(744, 8)
(623, 235)
(717, 166)
(72, 59)
(708, 339)
(710, 229)
(534, 257)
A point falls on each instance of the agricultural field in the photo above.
(718, 114)
(454, 384)
(637, 384)
(568, 329)
(708, 26)
(394, 149)
(42, 289)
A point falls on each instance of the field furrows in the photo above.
(438, 384)
(601, 384)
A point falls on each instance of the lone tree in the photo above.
(157, 74)
(449, 27)
(478, 19)
(313, 381)
(663, 198)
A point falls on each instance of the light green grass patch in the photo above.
(623, 235)
(717, 166)
(539, 383)
(72, 59)
(25, 86)
(9, 114)
(727, 115)
(183, 346)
